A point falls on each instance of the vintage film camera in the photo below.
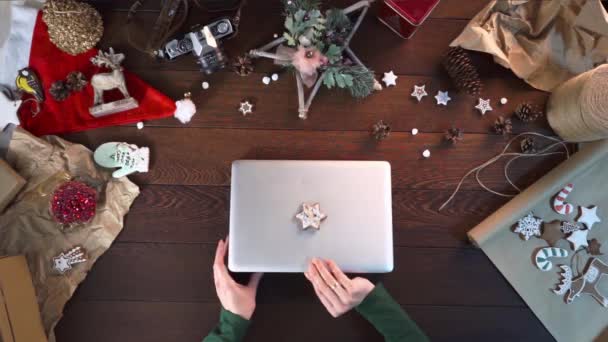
(203, 43)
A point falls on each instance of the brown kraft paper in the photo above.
(543, 42)
(584, 319)
(27, 228)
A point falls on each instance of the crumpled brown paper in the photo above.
(543, 42)
(26, 227)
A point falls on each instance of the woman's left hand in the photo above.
(338, 293)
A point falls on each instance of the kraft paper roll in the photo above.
(578, 109)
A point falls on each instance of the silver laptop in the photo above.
(266, 196)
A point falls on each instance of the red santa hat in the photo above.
(27, 44)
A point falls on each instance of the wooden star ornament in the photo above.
(419, 92)
(246, 108)
(311, 216)
(483, 106)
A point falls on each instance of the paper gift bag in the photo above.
(19, 315)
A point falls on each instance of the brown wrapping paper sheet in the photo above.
(584, 319)
(543, 42)
(26, 227)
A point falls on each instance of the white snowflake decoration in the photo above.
(390, 79)
(442, 98)
(528, 226)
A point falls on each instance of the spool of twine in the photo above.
(578, 109)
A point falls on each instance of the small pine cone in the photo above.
(59, 90)
(528, 145)
(242, 65)
(503, 125)
(454, 135)
(76, 81)
(462, 71)
(380, 130)
(528, 112)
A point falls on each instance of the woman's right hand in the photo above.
(338, 293)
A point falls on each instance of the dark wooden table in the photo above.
(155, 282)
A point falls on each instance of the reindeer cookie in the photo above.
(585, 283)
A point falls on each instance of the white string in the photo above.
(504, 153)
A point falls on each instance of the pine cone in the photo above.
(528, 145)
(380, 130)
(454, 135)
(528, 112)
(59, 90)
(242, 65)
(462, 71)
(76, 81)
(503, 126)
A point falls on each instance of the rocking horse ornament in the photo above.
(108, 81)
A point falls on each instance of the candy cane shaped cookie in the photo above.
(559, 203)
(542, 257)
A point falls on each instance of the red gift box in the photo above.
(405, 16)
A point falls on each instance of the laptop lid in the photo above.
(266, 196)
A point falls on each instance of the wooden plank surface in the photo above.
(180, 272)
(204, 156)
(103, 321)
(155, 282)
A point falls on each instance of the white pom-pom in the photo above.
(275, 77)
(140, 125)
(426, 154)
(503, 100)
(266, 80)
(414, 131)
(205, 85)
(184, 109)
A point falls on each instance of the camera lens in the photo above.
(222, 27)
(185, 45)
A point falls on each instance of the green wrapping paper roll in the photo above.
(578, 109)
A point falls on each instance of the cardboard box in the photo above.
(10, 184)
(19, 314)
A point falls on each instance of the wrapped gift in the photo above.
(10, 184)
(19, 315)
(405, 16)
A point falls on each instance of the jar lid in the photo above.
(414, 11)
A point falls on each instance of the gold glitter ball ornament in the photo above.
(74, 27)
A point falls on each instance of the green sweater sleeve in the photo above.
(232, 328)
(381, 310)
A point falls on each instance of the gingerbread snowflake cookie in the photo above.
(528, 226)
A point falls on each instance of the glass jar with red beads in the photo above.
(404, 17)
